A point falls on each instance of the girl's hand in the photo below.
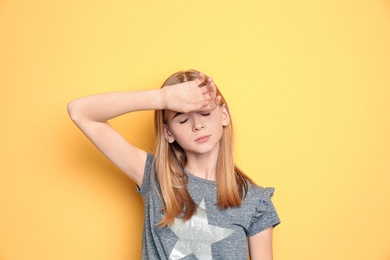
(191, 96)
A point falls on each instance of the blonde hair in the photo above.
(170, 160)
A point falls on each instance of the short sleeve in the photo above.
(265, 214)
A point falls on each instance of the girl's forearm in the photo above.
(102, 107)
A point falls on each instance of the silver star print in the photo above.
(196, 235)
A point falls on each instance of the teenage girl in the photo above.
(198, 204)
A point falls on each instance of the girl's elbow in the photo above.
(73, 110)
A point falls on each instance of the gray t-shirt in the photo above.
(211, 233)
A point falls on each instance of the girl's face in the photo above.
(197, 132)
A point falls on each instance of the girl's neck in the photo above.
(203, 166)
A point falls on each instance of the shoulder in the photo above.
(259, 191)
(258, 197)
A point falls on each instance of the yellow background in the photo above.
(308, 83)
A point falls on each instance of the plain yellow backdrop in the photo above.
(308, 83)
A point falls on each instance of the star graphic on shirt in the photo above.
(196, 235)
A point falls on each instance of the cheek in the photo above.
(217, 121)
(179, 132)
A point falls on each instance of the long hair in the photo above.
(170, 160)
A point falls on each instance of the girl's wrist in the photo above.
(161, 98)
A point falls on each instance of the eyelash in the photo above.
(182, 122)
(203, 114)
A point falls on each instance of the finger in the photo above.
(207, 96)
(211, 104)
(211, 95)
(200, 106)
(215, 103)
(218, 100)
(207, 93)
(212, 88)
(201, 78)
(207, 106)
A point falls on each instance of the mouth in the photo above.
(203, 139)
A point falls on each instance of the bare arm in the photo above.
(91, 114)
(260, 245)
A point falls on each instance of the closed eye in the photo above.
(183, 121)
(205, 114)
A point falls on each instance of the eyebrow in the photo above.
(176, 114)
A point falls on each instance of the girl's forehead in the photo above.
(170, 114)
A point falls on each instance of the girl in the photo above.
(198, 204)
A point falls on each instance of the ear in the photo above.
(167, 134)
(225, 116)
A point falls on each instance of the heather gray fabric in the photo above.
(211, 233)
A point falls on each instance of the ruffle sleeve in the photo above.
(265, 214)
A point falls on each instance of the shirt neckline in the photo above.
(191, 176)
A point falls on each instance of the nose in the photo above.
(198, 125)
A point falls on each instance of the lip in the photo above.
(203, 139)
